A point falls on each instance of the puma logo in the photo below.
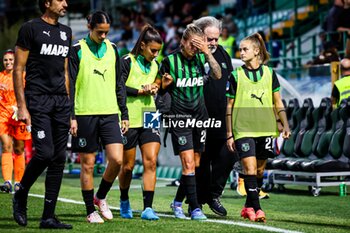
(253, 190)
(99, 73)
(258, 98)
(47, 33)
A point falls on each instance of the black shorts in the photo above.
(95, 129)
(261, 147)
(140, 136)
(50, 115)
(187, 139)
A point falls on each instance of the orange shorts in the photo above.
(16, 129)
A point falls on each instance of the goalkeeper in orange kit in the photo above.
(12, 132)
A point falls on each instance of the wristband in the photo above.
(229, 138)
(283, 110)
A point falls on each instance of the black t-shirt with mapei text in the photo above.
(48, 47)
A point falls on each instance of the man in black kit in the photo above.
(42, 50)
(216, 162)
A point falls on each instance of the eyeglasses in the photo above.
(212, 39)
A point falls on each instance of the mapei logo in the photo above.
(151, 120)
(191, 82)
(53, 49)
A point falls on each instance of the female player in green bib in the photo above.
(253, 102)
(139, 71)
(98, 95)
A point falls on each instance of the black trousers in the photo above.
(215, 166)
(50, 115)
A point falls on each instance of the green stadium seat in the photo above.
(346, 144)
(294, 164)
(320, 117)
(164, 172)
(325, 139)
(178, 173)
(140, 169)
(304, 116)
(159, 170)
(171, 172)
(136, 168)
(277, 163)
(291, 110)
(337, 141)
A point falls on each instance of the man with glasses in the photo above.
(216, 162)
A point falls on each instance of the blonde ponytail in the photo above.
(259, 43)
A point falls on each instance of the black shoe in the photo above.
(189, 209)
(54, 223)
(216, 206)
(19, 211)
(6, 187)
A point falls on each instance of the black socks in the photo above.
(251, 187)
(103, 189)
(147, 199)
(88, 196)
(124, 194)
(189, 182)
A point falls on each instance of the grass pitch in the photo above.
(295, 210)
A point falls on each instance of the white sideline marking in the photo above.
(138, 186)
(227, 222)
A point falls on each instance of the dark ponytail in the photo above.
(147, 35)
(96, 18)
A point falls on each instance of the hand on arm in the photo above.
(18, 69)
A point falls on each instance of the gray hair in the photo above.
(208, 21)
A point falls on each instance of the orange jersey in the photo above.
(7, 94)
(8, 125)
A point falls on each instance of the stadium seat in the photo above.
(277, 163)
(284, 103)
(291, 110)
(321, 119)
(136, 168)
(164, 172)
(139, 169)
(294, 164)
(322, 147)
(178, 173)
(331, 166)
(309, 166)
(304, 116)
(337, 141)
(346, 144)
(170, 173)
